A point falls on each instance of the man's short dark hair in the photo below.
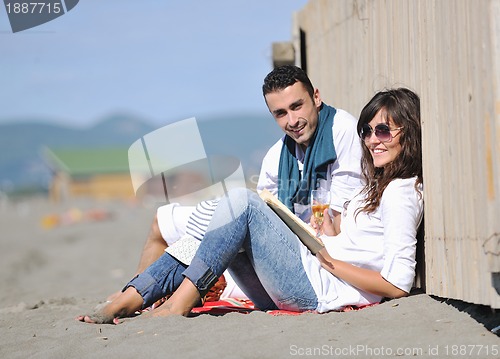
(284, 76)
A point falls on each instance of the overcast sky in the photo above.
(162, 60)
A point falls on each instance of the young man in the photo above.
(320, 148)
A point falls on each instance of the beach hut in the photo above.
(99, 173)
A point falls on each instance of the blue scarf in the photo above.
(319, 154)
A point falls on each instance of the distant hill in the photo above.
(22, 165)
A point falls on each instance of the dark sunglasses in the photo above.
(382, 132)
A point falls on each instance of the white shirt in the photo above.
(384, 241)
(344, 172)
(172, 221)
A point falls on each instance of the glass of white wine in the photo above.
(320, 200)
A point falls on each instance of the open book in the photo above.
(305, 232)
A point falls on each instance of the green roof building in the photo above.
(89, 172)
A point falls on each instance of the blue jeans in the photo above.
(269, 270)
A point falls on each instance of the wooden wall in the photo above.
(448, 51)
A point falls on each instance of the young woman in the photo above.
(373, 256)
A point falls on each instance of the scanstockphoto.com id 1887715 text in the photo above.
(361, 350)
(26, 14)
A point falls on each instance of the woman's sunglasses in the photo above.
(382, 132)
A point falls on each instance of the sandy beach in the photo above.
(61, 260)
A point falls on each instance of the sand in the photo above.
(50, 275)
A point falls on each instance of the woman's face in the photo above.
(383, 152)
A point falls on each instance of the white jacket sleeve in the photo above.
(401, 214)
(268, 178)
(346, 170)
(172, 221)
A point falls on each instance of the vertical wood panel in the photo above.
(449, 52)
(492, 243)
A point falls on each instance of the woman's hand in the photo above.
(325, 259)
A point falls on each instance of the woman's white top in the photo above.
(384, 241)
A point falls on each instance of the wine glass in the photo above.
(320, 200)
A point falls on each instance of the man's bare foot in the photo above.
(104, 313)
(97, 319)
(113, 296)
(180, 302)
(167, 309)
(125, 305)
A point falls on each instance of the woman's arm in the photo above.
(365, 279)
(401, 212)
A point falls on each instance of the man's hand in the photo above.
(329, 226)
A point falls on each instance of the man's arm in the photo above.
(268, 178)
(346, 170)
(153, 248)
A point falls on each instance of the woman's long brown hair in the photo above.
(403, 107)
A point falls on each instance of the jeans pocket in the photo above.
(297, 304)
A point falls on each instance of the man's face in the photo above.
(295, 112)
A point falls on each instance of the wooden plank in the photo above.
(448, 51)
